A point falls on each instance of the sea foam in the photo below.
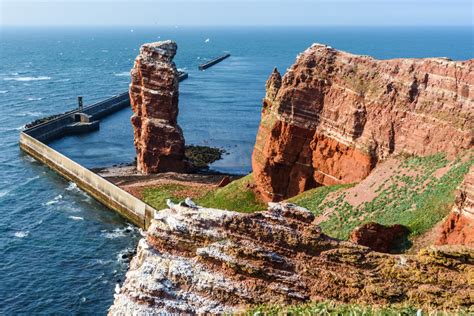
(21, 234)
(27, 78)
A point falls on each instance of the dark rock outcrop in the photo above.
(159, 140)
(334, 115)
(381, 238)
(198, 260)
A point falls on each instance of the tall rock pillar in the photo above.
(159, 140)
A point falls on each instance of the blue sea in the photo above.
(61, 251)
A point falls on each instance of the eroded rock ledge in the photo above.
(334, 115)
(198, 260)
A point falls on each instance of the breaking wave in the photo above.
(54, 201)
(122, 74)
(119, 232)
(27, 78)
(76, 218)
(21, 234)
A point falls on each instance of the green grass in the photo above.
(313, 199)
(415, 198)
(156, 197)
(236, 196)
(329, 308)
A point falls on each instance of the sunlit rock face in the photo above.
(200, 260)
(334, 115)
(159, 140)
(458, 229)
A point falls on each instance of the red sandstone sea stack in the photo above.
(334, 115)
(159, 140)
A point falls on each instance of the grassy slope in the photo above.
(414, 198)
(237, 196)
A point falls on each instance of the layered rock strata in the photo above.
(334, 115)
(198, 260)
(459, 227)
(159, 140)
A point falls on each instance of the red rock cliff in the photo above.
(459, 227)
(154, 93)
(334, 115)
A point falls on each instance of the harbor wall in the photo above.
(33, 142)
(57, 128)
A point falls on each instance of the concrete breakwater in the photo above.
(34, 140)
(213, 62)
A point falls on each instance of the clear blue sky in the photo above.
(233, 12)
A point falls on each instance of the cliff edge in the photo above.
(200, 260)
(334, 115)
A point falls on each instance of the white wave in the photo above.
(102, 261)
(35, 99)
(72, 187)
(104, 51)
(20, 128)
(3, 91)
(76, 218)
(119, 232)
(21, 234)
(64, 80)
(54, 201)
(29, 158)
(27, 78)
(4, 193)
(207, 40)
(122, 74)
(116, 233)
(30, 179)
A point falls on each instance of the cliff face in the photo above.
(198, 260)
(334, 115)
(459, 227)
(159, 140)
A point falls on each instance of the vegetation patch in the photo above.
(236, 196)
(331, 308)
(414, 197)
(313, 199)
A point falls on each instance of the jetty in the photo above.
(182, 75)
(213, 62)
(34, 141)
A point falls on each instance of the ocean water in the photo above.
(61, 250)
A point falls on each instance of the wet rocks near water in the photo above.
(154, 94)
(45, 119)
(199, 260)
(334, 115)
(200, 157)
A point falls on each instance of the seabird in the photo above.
(117, 288)
(170, 204)
(190, 203)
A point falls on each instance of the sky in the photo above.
(236, 13)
